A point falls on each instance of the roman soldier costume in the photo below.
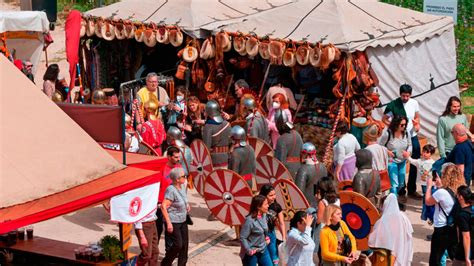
(174, 137)
(153, 132)
(309, 173)
(242, 158)
(367, 180)
(216, 135)
(289, 143)
(255, 124)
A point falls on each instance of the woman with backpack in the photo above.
(444, 201)
(398, 143)
(464, 221)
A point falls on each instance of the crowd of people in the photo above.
(376, 164)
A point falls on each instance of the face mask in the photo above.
(179, 98)
(276, 105)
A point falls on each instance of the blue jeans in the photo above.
(272, 247)
(262, 258)
(397, 172)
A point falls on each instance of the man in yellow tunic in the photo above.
(152, 92)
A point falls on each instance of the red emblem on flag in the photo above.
(135, 206)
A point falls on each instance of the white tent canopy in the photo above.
(42, 150)
(348, 24)
(31, 24)
(189, 15)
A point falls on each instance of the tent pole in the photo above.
(124, 153)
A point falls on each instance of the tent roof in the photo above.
(190, 15)
(42, 150)
(348, 24)
(23, 21)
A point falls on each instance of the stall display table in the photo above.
(54, 249)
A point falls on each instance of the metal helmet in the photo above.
(213, 110)
(98, 97)
(309, 149)
(238, 135)
(282, 123)
(174, 136)
(249, 103)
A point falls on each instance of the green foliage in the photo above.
(464, 33)
(111, 248)
(82, 5)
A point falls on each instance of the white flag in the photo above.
(134, 205)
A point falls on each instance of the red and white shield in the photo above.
(201, 165)
(228, 196)
(269, 170)
(260, 147)
(290, 197)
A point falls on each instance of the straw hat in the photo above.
(120, 32)
(302, 54)
(98, 28)
(251, 46)
(331, 53)
(315, 56)
(239, 45)
(176, 37)
(190, 54)
(83, 27)
(277, 49)
(162, 35)
(90, 27)
(371, 133)
(139, 34)
(224, 40)
(289, 58)
(107, 31)
(208, 49)
(129, 30)
(149, 37)
(263, 50)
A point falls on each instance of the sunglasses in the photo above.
(403, 125)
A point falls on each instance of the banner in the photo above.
(134, 205)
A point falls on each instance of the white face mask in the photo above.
(276, 105)
(179, 98)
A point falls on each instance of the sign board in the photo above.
(442, 8)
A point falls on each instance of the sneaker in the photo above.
(416, 196)
(429, 222)
(428, 237)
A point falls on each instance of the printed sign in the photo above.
(442, 8)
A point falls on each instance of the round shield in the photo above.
(228, 196)
(290, 197)
(145, 148)
(345, 185)
(360, 216)
(269, 170)
(201, 165)
(260, 147)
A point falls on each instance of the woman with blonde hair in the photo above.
(333, 239)
(278, 102)
(443, 199)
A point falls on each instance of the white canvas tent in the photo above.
(189, 15)
(25, 31)
(403, 46)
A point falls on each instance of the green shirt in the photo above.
(443, 132)
(396, 107)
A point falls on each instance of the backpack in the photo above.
(390, 136)
(452, 231)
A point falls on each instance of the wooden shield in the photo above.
(269, 170)
(360, 216)
(260, 147)
(145, 148)
(345, 185)
(201, 165)
(228, 196)
(290, 197)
